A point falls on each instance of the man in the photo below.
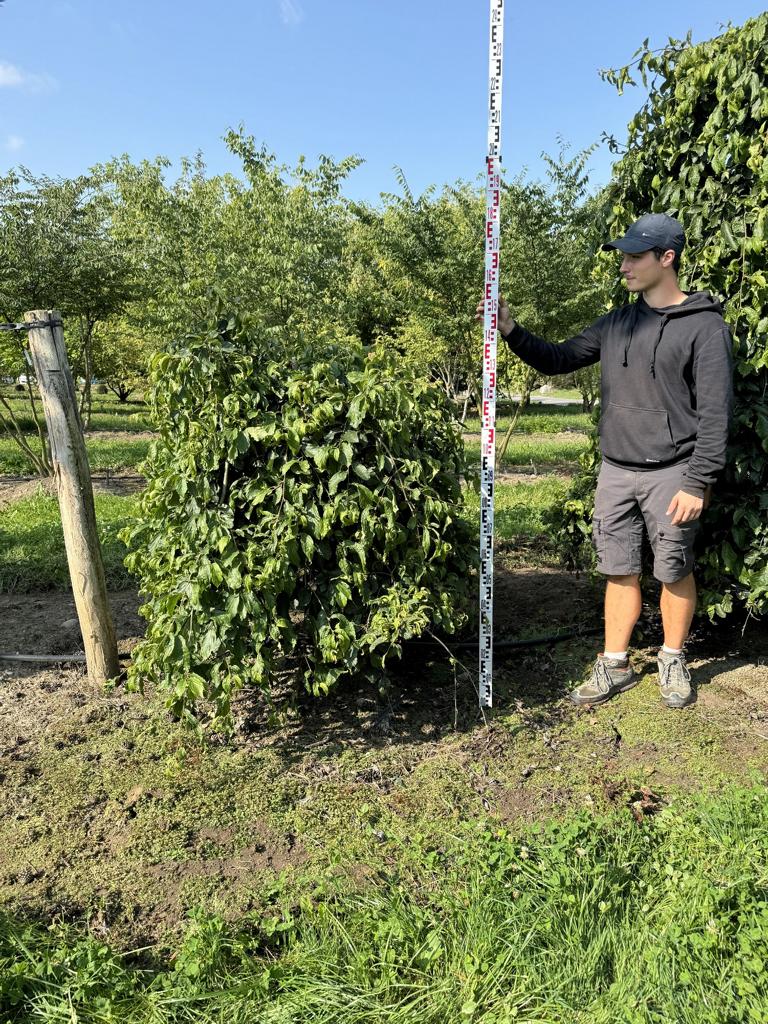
(666, 392)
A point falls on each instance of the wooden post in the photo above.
(73, 482)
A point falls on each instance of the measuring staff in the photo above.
(490, 327)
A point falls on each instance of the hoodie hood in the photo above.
(694, 302)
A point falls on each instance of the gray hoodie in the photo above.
(666, 383)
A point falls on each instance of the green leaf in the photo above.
(195, 686)
(335, 481)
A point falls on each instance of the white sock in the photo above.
(618, 656)
(671, 650)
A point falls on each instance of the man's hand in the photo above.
(684, 508)
(506, 323)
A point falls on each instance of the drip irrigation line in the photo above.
(42, 657)
(501, 645)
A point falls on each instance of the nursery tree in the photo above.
(303, 502)
(57, 250)
(549, 236)
(430, 252)
(272, 241)
(121, 356)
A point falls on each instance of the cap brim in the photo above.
(631, 245)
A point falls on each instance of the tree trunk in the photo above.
(85, 401)
(522, 405)
(465, 408)
(73, 482)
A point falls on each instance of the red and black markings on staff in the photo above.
(490, 327)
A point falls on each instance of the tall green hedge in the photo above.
(304, 502)
(698, 150)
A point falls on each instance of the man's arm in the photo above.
(546, 356)
(551, 358)
(713, 375)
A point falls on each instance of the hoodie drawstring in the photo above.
(696, 302)
(656, 344)
(633, 323)
(635, 316)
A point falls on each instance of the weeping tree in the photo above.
(698, 150)
(303, 507)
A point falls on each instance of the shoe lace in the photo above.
(601, 676)
(674, 673)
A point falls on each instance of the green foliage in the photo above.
(301, 499)
(120, 358)
(429, 251)
(698, 150)
(273, 240)
(548, 236)
(593, 917)
(430, 260)
(57, 250)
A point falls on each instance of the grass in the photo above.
(538, 450)
(591, 919)
(126, 418)
(108, 413)
(102, 454)
(537, 419)
(568, 394)
(32, 555)
(99, 401)
(520, 507)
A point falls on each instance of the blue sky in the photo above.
(399, 83)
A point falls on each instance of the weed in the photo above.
(592, 917)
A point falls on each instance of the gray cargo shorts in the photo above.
(627, 501)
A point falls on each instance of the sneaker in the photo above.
(609, 676)
(674, 680)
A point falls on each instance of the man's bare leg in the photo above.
(678, 603)
(623, 604)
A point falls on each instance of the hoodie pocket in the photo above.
(635, 435)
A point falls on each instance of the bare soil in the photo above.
(121, 482)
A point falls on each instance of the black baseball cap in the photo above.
(654, 229)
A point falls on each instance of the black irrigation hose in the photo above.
(42, 657)
(500, 645)
(110, 477)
